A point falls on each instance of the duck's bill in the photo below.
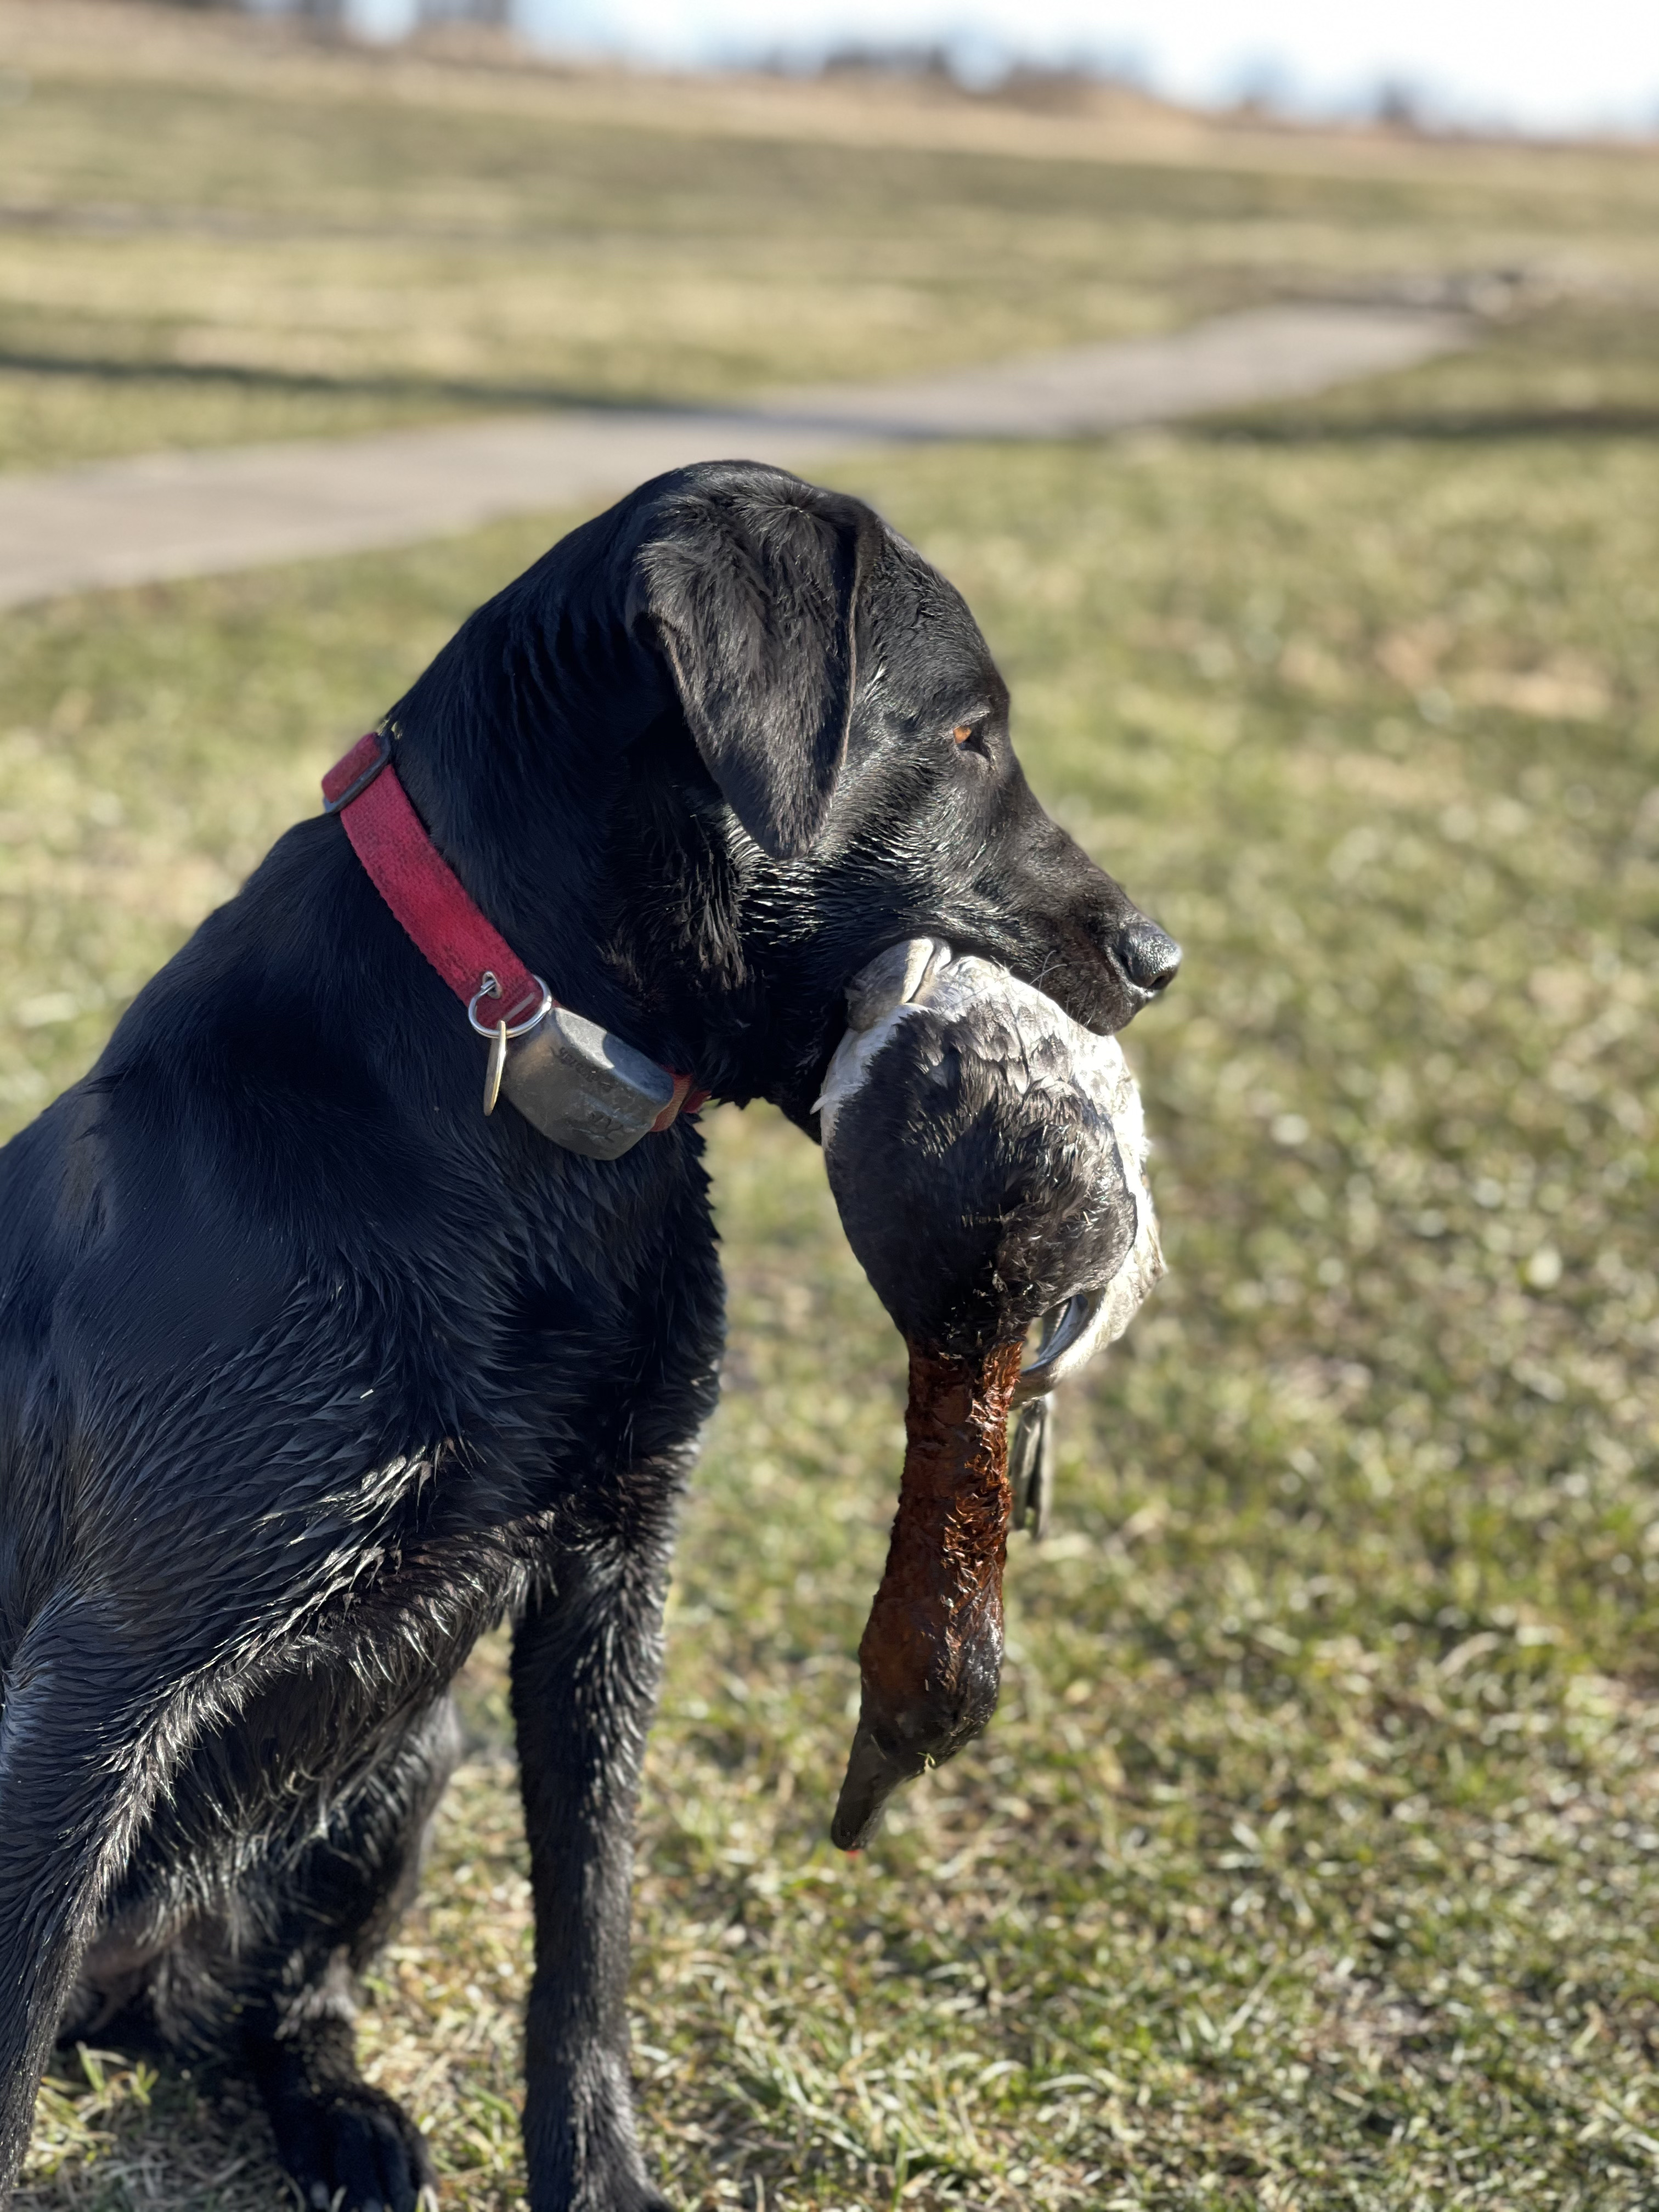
(871, 1776)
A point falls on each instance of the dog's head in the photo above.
(796, 749)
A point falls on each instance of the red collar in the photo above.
(425, 894)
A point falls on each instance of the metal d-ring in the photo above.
(499, 1032)
(491, 988)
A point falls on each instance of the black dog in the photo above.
(308, 1372)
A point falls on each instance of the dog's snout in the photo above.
(1148, 955)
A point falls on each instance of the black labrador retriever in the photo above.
(309, 1372)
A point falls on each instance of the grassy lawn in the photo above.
(1312, 1857)
(211, 232)
(1311, 1860)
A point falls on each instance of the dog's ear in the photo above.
(753, 591)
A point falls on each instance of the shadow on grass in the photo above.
(1475, 426)
(449, 391)
(149, 2131)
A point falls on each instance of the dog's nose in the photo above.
(1147, 956)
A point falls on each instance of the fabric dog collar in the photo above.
(580, 1085)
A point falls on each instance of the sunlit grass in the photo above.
(207, 236)
(1311, 1859)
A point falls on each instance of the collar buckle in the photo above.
(362, 767)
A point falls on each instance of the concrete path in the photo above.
(197, 514)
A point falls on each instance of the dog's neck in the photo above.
(570, 800)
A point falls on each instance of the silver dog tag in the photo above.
(584, 1088)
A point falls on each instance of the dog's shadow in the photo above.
(113, 2133)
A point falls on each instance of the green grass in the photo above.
(208, 234)
(1585, 366)
(1311, 1859)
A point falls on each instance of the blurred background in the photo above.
(1312, 1857)
(1471, 62)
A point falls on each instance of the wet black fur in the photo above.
(308, 1372)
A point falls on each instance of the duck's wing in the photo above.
(1065, 1057)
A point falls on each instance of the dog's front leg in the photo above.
(586, 1661)
(82, 1753)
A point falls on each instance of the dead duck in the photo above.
(987, 1157)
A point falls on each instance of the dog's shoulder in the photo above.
(113, 1256)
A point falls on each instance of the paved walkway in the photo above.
(195, 513)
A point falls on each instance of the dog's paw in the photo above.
(600, 2187)
(630, 2197)
(610, 2192)
(350, 2149)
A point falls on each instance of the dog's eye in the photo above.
(962, 732)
